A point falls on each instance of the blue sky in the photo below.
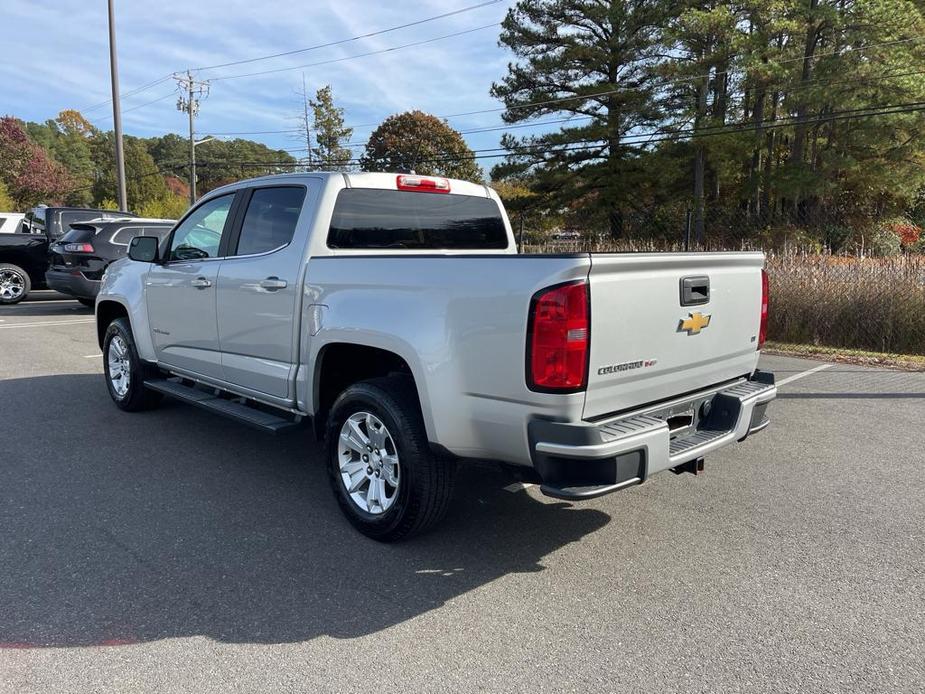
(56, 57)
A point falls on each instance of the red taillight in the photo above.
(558, 338)
(78, 248)
(763, 327)
(423, 184)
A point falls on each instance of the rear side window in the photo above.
(124, 236)
(270, 220)
(367, 218)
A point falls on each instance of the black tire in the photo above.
(426, 481)
(23, 278)
(89, 303)
(136, 397)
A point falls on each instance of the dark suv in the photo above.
(24, 257)
(77, 260)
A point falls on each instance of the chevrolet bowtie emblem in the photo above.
(694, 324)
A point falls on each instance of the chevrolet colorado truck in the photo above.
(393, 313)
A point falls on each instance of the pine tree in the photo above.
(329, 152)
(591, 60)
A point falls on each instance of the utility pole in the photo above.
(191, 93)
(117, 112)
(306, 124)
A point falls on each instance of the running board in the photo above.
(207, 400)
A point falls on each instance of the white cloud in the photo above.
(65, 63)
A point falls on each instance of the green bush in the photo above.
(7, 204)
(169, 206)
(835, 236)
(787, 237)
(885, 243)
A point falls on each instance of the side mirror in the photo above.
(144, 249)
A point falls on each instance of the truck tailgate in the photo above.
(647, 346)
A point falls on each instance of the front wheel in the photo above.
(15, 284)
(386, 479)
(125, 372)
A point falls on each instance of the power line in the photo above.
(680, 80)
(461, 132)
(358, 55)
(352, 38)
(592, 95)
(837, 52)
(512, 126)
(639, 138)
(371, 34)
(127, 94)
(147, 103)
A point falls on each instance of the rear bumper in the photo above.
(73, 283)
(579, 461)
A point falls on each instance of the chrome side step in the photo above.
(208, 400)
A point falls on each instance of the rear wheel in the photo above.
(125, 372)
(386, 479)
(14, 284)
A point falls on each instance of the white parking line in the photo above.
(38, 304)
(810, 372)
(517, 486)
(92, 356)
(54, 322)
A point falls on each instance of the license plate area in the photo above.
(684, 418)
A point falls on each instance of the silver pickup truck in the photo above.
(393, 313)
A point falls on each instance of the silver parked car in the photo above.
(393, 313)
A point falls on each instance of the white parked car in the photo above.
(11, 222)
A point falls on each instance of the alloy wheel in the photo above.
(368, 463)
(120, 365)
(12, 285)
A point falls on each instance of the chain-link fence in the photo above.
(858, 285)
(864, 303)
(720, 228)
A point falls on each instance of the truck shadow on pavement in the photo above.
(124, 528)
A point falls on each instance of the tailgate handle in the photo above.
(695, 290)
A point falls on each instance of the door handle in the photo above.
(273, 283)
(201, 283)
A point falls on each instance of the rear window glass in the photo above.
(270, 220)
(67, 218)
(78, 234)
(367, 218)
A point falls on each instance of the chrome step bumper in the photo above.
(581, 461)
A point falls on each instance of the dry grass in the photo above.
(904, 362)
(875, 304)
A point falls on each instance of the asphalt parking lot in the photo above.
(175, 551)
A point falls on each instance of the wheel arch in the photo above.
(108, 310)
(340, 364)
